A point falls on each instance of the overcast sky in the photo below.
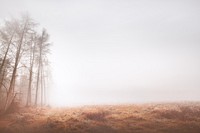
(119, 51)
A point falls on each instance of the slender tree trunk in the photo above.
(29, 89)
(43, 91)
(38, 80)
(37, 84)
(39, 70)
(32, 58)
(2, 79)
(44, 87)
(41, 83)
(3, 94)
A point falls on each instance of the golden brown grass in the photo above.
(143, 118)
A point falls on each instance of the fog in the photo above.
(110, 52)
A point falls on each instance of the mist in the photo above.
(107, 52)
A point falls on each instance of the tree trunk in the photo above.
(38, 80)
(39, 70)
(32, 58)
(42, 86)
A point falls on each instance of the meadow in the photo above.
(136, 118)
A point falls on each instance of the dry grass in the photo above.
(145, 118)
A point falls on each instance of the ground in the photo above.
(138, 118)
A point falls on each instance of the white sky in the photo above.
(119, 51)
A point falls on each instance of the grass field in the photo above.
(138, 118)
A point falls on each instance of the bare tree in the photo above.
(32, 60)
(43, 46)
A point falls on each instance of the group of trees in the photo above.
(24, 65)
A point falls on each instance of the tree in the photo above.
(43, 48)
(32, 49)
(23, 61)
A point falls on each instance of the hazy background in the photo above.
(119, 51)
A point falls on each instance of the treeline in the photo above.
(24, 64)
